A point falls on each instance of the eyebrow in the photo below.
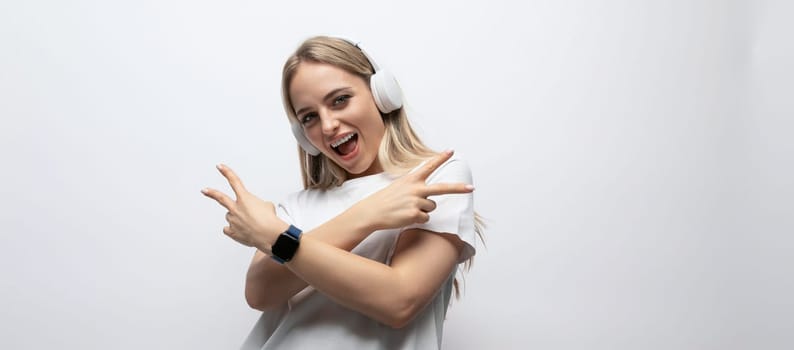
(327, 96)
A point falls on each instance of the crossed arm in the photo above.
(391, 294)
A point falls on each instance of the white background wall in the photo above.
(633, 159)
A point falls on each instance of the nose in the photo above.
(329, 123)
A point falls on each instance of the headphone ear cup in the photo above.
(297, 131)
(386, 91)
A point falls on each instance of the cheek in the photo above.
(371, 118)
(314, 134)
(378, 125)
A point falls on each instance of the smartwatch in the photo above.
(286, 245)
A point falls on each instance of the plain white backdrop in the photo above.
(633, 160)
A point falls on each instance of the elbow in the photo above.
(256, 306)
(404, 306)
(399, 323)
(257, 301)
(254, 302)
(402, 315)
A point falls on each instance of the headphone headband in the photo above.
(369, 58)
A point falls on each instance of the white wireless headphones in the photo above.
(385, 90)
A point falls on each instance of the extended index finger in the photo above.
(433, 164)
(447, 188)
(219, 197)
(234, 180)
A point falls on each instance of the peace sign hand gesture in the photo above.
(252, 221)
(404, 201)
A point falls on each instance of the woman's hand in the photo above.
(252, 221)
(404, 201)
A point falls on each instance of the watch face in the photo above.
(285, 247)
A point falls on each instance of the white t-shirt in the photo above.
(311, 320)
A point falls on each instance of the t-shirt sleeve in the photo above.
(283, 209)
(454, 213)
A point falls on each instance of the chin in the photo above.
(351, 173)
(362, 170)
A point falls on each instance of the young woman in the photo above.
(360, 258)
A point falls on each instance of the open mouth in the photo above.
(345, 145)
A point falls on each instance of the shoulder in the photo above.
(455, 169)
(297, 206)
(301, 197)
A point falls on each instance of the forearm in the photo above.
(391, 294)
(269, 283)
(369, 287)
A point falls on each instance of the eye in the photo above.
(308, 118)
(341, 99)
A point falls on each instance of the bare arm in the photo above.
(252, 222)
(269, 284)
(392, 295)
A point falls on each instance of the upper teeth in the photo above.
(342, 140)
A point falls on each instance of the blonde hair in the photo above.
(400, 150)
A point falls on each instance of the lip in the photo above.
(341, 136)
(350, 155)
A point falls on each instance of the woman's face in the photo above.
(339, 116)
